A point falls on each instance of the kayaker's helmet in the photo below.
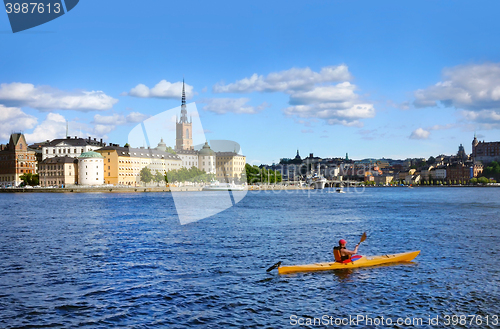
(342, 241)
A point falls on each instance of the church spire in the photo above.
(183, 94)
(183, 118)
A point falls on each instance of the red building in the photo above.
(16, 159)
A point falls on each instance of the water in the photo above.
(123, 260)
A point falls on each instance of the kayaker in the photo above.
(343, 255)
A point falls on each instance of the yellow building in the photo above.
(229, 166)
(122, 165)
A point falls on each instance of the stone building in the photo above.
(16, 159)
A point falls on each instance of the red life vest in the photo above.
(338, 256)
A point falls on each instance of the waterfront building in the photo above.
(383, 179)
(189, 158)
(485, 152)
(90, 168)
(438, 173)
(16, 159)
(71, 147)
(463, 172)
(230, 166)
(206, 159)
(122, 165)
(58, 171)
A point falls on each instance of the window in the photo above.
(109, 167)
(109, 160)
(109, 174)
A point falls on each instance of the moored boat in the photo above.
(224, 187)
(363, 261)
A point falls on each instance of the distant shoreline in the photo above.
(142, 189)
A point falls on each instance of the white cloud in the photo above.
(307, 131)
(46, 98)
(419, 133)
(341, 93)
(14, 119)
(135, 117)
(162, 89)
(312, 96)
(292, 79)
(473, 87)
(54, 126)
(115, 119)
(333, 113)
(104, 124)
(233, 105)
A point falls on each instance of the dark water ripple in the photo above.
(123, 260)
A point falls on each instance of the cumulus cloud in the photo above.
(54, 126)
(104, 124)
(333, 113)
(312, 95)
(294, 78)
(474, 87)
(419, 133)
(14, 119)
(232, 105)
(162, 89)
(46, 98)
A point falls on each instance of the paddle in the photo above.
(273, 267)
(363, 238)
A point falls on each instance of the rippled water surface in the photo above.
(123, 260)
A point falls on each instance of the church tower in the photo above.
(474, 144)
(184, 128)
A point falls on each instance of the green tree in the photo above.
(158, 177)
(431, 160)
(126, 145)
(146, 175)
(30, 179)
(171, 150)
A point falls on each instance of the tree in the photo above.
(146, 175)
(30, 179)
(482, 180)
(431, 160)
(492, 170)
(158, 177)
(171, 150)
(126, 145)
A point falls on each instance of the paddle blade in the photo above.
(363, 237)
(273, 267)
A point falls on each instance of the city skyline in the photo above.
(393, 80)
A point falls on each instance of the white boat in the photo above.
(317, 181)
(339, 190)
(223, 187)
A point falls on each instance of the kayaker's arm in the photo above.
(350, 252)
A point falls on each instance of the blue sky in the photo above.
(373, 79)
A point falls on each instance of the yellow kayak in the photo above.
(362, 261)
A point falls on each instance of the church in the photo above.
(227, 166)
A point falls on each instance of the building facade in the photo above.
(90, 169)
(58, 171)
(71, 147)
(16, 159)
(230, 166)
(485, 152)
(122, 165)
